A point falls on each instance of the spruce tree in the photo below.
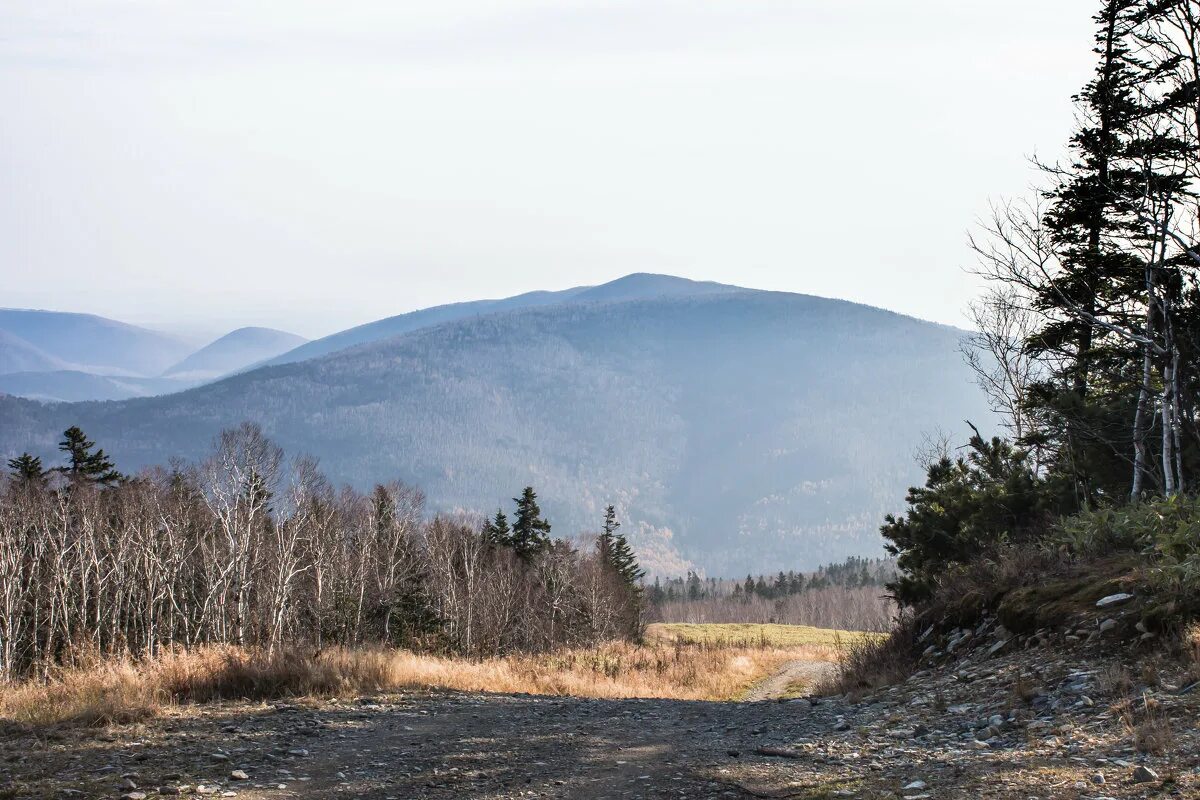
(1098, 283)
(496, 531)
(27, 470)
(615, 551)
(604, 544)
(82, 463)
(530, 533)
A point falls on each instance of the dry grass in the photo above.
(872, 662)
(1149, 730)
(740, 634)
(127, 691)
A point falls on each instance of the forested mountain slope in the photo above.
(638, 286)
(737, 431)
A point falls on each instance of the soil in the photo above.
(991, 723)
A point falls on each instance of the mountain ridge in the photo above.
(733, 431)
(240, 349)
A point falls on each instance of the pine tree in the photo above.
(530, 533)
(1099, 285)
(82, 463)
(616, 551)
(496, 531)
(604, 543)
(625, 562)
(27, 470)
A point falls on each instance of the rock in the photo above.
(916, 786)
(239, 775)
(127, 784)
(1144, 774)
(134, 796)
(1108, 625)
(1098, 779)
(1114, 599)
(202, 789)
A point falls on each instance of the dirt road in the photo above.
(797, 678)
(945, 734)
(410, 746)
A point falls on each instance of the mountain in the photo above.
(87, 343)
(643, 286)
(234, 351)
(18, 355)
(736, 431)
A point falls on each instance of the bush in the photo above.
(968, 508)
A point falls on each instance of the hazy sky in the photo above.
(312, 165)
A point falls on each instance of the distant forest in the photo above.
(849, 595)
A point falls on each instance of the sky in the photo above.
(311, 165)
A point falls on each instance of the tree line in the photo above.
(853, 572)
(1088, 336)
(848, 595)
(248, 548)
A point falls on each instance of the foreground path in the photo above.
(795, 677)
(1023, 725)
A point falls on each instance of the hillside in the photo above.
(18, 355)
(737, 431)
(638, 286)
(89, 343)
(234, 351)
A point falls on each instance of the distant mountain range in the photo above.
(735, 430)
(57, 356)
(89, 343)
(233, 352)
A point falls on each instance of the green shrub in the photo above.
(1166, 531)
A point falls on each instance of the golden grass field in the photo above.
(755, 635)
(686, 662)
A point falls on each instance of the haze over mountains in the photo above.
(736, 430)
(60, 356)
(234, 351)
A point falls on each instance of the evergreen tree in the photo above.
(1092, 205)
(82, 463)
(1106, 280)
(604, 544)
(496, 530)
(624, 561)
(530, 533)
(966, 509)
(27, 470)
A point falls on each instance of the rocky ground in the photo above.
(1002, 716)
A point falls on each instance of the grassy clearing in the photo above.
(754, 635)
(127, 691)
